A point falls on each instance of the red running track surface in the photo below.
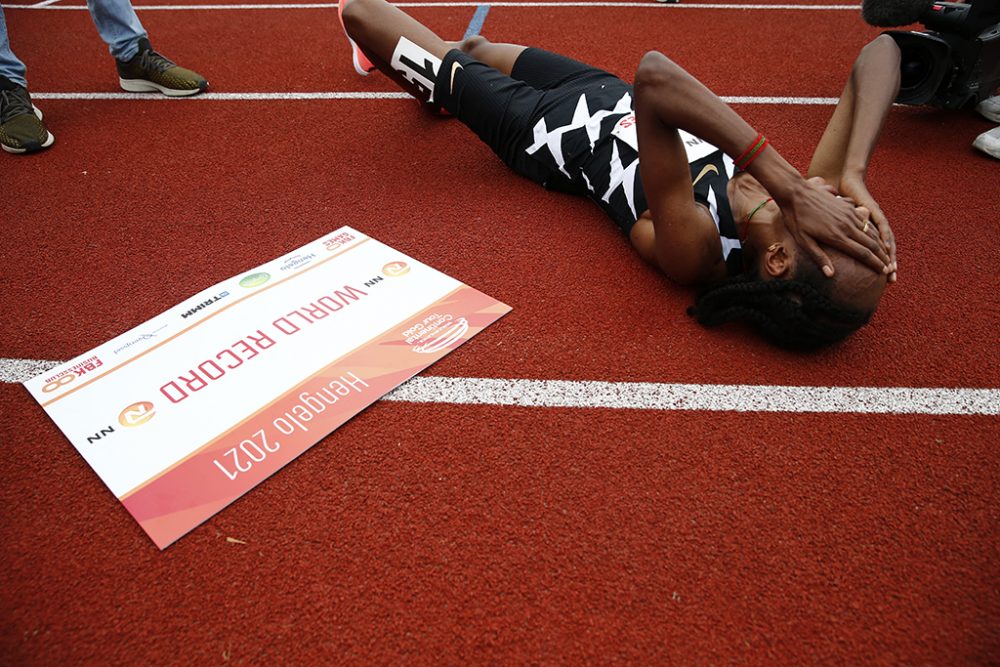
(444, 533)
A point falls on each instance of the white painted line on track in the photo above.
(780, 100)
(658, 396)
(21, 370)
(710, 397)
(551, 5)
(43, 3)
(261, 97)
(225, 97)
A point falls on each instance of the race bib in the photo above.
(417, 65)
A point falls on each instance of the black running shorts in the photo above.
(503, 110)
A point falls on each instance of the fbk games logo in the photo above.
(137, 414)
(67, 376)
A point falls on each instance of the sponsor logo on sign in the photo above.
(254, 280)
(203, 305)
(141, 338)
(60, 380)
(335, 242)
(435, 333)
(297, 262)
(444, 337)
(67, 376)
(393, 269)
(137, 414)
(103, 433)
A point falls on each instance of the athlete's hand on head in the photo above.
(854, 187)
(815, 215)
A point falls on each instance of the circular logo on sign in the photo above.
(444, 337)
(136, 414)
(58, 382)
(393, 269)
(255, 279)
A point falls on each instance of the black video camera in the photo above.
(957, 62)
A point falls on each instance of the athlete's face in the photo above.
(778, 255)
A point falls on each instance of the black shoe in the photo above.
(150, 72)
(21, 127)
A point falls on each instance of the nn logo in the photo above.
(373, 281)
(137, 414)
(393, 269)
(100, 434)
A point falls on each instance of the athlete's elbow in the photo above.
(656, 70)
(883, 47)
(882, 53)
(684, 274)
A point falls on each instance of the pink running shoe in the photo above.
(361, 63)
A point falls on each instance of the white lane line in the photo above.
(710, 397)
(553, 5)
(225, 97)
(260, 97)
(43, 3)
(22, 370)
(777, 100)
(658, 396)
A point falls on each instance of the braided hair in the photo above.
(795, 313)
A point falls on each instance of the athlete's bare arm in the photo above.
(844, 151)
(676, 234)
(668, 98)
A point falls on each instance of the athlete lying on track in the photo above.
(755, 234)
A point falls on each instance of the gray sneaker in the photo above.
(150, 72)
(989, 142)
(21, 127)
(990, 108)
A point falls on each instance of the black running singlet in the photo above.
(595, 152)
(571, 127)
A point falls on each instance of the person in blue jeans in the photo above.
(140, 70)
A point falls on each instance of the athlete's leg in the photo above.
(540, 69)
(498, 108)
(500, 57)
(398, 45)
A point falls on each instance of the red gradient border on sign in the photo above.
(179, 499)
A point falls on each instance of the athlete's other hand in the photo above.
(815, 215)
(854, 187)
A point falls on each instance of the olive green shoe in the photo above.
(150, 72)
(21, 127)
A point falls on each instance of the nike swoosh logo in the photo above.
(451, 84)
(707, 169)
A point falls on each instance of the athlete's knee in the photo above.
(356, 15)
(474, 46)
